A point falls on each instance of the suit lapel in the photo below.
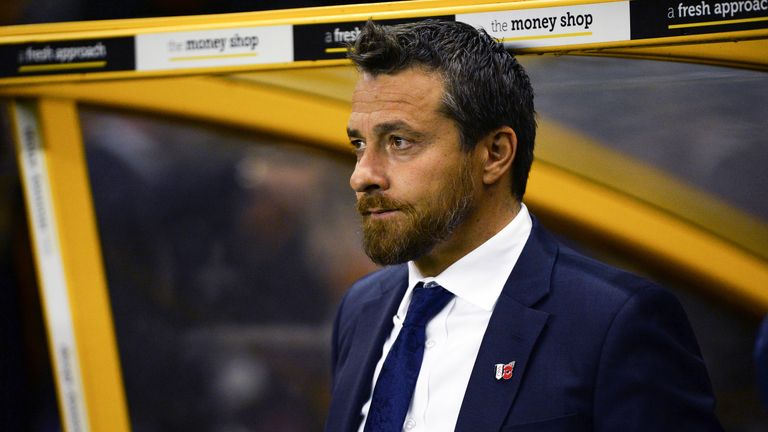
(372, 327)
(511, 335)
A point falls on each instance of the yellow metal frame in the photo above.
(735, 48)
(81, 253)
(640, 222)
(76, 241)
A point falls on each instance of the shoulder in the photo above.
(375, 284)
(371, 293)
(593, 277)
(630, 341)
(567, 280)
(598, 295)
(611, 304)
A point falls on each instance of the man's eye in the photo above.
(358, 144)
(400, 143)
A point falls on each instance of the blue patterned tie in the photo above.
(394, 387)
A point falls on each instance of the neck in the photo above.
(481, 225)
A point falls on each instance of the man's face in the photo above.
(413, 182)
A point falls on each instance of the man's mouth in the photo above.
(378, 212)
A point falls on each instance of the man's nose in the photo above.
(370, 173)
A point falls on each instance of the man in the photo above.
(480, 320)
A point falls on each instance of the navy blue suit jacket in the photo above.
(595, 348)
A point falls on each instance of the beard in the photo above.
(419, 227)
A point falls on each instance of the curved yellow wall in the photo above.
(310, 106)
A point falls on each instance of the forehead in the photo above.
(412, 94)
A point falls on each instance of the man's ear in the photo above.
(499, 147)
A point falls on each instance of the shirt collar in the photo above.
(479, 276)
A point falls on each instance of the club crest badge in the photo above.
(504, 371)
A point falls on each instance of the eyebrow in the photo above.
(388, 127)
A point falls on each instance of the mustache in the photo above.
(368, 202)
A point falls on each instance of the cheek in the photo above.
(426, 177)
(410, 190)
(425, 188)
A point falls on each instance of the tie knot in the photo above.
(426, 301)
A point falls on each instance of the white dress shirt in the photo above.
(454, 335)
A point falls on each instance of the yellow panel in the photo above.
(284, 112)
(718, 53)
(328, 82)
(747, 54)
(573, 152)
(739, 277)
(57, 314)
(83, 267)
